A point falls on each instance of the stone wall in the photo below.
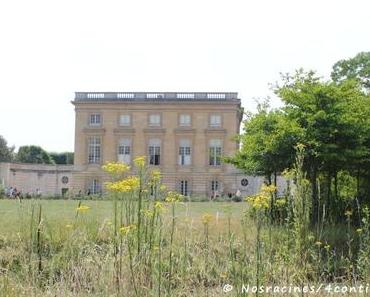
(51, 180)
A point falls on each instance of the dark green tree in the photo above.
(65, 158)
(356, 68)
(267, 144)
(333, 118)
(6, 152)
(33, 154)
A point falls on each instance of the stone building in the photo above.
(184, 135)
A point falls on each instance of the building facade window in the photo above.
(94, 149)
(95, 119)
(124, 151)
(184, 187)
(94, 187)
(184, 153)
(125, 120)
(154, 120)
(215, 186)
(215, 120)
(185, 120)
(154, 151)
(215, 151)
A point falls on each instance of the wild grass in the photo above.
(134, 245)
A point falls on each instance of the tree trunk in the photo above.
(315, 200)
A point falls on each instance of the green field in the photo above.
(13, 212)
(186, 249)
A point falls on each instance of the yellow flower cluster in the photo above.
(82, 208)
(206, 218)
(280, 203)
(258, 202)
(128, 184)
(116, 168)
(173, 197)
(159, 206)
(125, 230)
(147, 213)
(156, 175)
(139, 161)
(268, 189)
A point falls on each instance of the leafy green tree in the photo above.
(6, 153)
(62, 158)
(333, 118)
(33, 154)
(357, 68)
(267, 143)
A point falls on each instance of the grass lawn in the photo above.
(12, 212)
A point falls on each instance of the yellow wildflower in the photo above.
(82, 208)
(259, 201)
(156, 175)
(359, 230)
(126, 185)
(268, 189)
(158, 206)
(206, 218)
(139, 161)
(147, 213)
(280, 203)
(173, 197)
(300, 146)
(116, 168)
(318, 243)
(125, 230)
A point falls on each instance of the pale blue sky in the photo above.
(49, 49)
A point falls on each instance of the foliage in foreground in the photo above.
(146, 249)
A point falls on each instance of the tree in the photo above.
(62, 158)
(33, 154)
(6, 153)
(356, 68)
(267, 143)
(334, 119)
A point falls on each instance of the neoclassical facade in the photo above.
(184, 135)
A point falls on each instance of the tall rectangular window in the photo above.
(184, 152)
(95, 119)
(214, 185)
(95, 187)
(184, 187)
(154, 120)
(215, 150)
(94, 149)
(215, 120)
(124, 120)
(124, 151)
(154, 151)
(185, 120)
